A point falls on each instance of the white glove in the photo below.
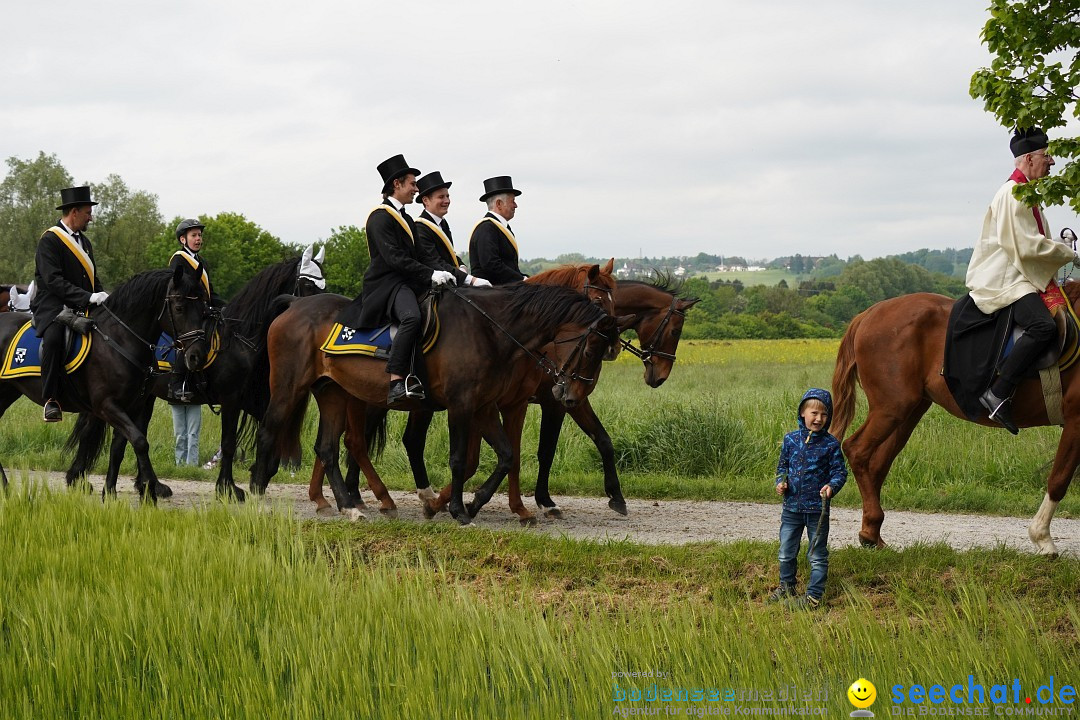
(463, 269)
(441, 277)
(98, 298)
(476, 282)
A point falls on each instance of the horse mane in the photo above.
(549, 303)
(564, 275)
(662, 281)
(130, 297)
(252, 306)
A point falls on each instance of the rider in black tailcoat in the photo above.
(399, 271)
(433, 234)
(493, 249)
(66, 280)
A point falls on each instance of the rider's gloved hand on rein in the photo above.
(476, 282)
(440, 278)
(98, 298)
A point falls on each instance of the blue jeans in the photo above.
(817, 552)
(187, 422)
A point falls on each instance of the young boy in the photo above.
(811, 467)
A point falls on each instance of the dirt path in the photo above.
(669, 521)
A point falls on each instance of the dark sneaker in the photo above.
(53, 413)
(1000, 410)
(806, 602)
(781, 593)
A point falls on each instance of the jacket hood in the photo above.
(815, 394)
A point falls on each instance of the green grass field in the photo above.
(121, 612)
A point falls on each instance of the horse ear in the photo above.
(321, 255)
(609, 267)
(687, 304)
(594, 272)
(306, 257)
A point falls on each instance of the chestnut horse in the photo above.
(896, 351)
(596, 283)
(490, 339)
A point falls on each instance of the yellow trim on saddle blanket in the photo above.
(215, 346)
(509, 235)
(8, 371)
(195, 266)
(334, 346)
(442, 236)
(77, 251)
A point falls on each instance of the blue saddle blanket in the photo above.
(165, 352)
(374, 342)
(22, 357)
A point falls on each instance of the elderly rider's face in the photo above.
(506, 205)
(79, 217)
(1038, 164)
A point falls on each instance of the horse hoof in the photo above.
(553, 512)
(472, 508)
(353, 514)
(618, 505)
(231, 493)
(255, 489)
(429, 512)
(871, 544)
(390, 512)
(528, 521)
(326, 511)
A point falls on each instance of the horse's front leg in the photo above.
(109, 411)
(552, 413)
(495, 435)
(513, 422)
(588, 421)
(358, 454)
(459, 421)
(1057, 484)
(230, 419)
(333, 402)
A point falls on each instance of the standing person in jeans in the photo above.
(811, 469)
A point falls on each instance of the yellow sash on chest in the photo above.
(442, 236)
(77, 251)
(195, 266)
(509, 235)
(397, 216)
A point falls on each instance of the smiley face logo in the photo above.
(862, 693)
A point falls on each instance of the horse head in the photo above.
(185, 313)
(577, 373)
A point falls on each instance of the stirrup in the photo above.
(414, 389)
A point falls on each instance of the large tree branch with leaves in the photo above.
(1032, 82)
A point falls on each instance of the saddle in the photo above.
(977, 344)
(376, 342)
(22, 356)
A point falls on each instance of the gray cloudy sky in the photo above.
(758, 129)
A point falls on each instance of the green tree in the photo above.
(125, 224)
(1032, 81)
(29, 195)
(347, 260)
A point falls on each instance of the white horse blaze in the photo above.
(1039, 529)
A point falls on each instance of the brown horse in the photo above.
(490, 339)
(596, 283)
(896, 351)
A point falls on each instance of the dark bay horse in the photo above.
(896, 351)
(490, 339)
(236, 379)
(596, 283)
(109, 384)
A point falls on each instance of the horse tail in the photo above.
(375, 431)
(288, 438)
(247, 431)
(87, 439)
(845, 381)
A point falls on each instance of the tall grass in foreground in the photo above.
(712, 431)
(120, 612)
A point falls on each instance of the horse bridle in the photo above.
(607, 291)
(648, 352)
(311, 278)
(186, 340)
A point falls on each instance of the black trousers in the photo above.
(52, 361)
(406, 313)
(1030, 313)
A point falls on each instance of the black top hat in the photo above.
(1026, 140)
(430, 183)
(393, 168)
(70, 197)
(498, 186)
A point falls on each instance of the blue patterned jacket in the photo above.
(809, 461)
